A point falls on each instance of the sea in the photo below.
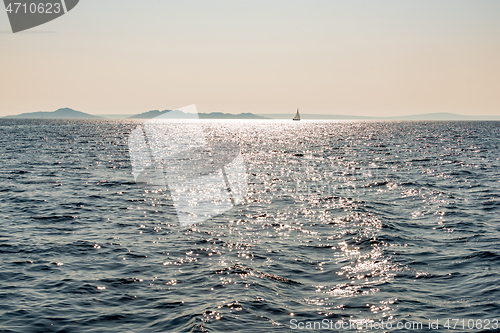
(346, 226)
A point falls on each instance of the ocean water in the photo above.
(348, 222)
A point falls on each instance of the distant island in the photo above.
(64, 113)
(181, 115)
(68, 113)
(440, 116)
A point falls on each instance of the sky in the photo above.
(379, 58)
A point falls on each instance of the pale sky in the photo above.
(382, 58)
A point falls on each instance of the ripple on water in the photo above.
(343, 220)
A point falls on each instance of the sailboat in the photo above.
(297, 116)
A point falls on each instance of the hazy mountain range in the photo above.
(64, 113)
(68, 113)
(181, 115)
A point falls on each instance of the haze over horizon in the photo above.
(69, 113)
(357, 58)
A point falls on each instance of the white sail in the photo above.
(297, 115)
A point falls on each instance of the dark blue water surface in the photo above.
(353, 222)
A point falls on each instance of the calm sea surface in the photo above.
(352, 222)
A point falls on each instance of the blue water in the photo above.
(345, 221)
